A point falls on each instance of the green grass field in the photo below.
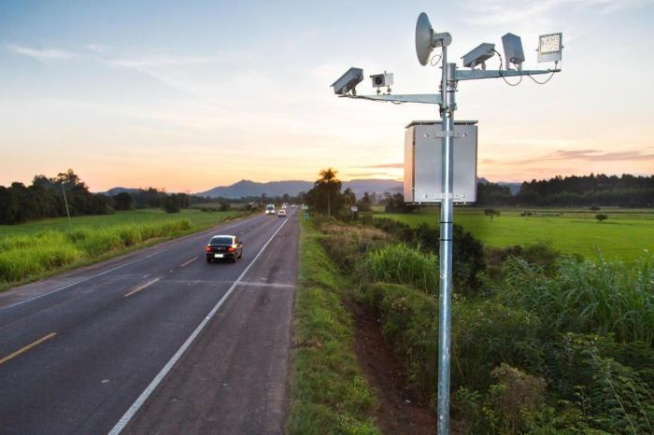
(626, 235)
(37, 249)
(144, 216)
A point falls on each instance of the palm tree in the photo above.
(329, 185)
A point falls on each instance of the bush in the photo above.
(612, 397)
(468, 260)
(487, 334)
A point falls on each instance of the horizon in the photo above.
(349, 181)
(186, 96)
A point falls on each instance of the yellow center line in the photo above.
(141, 287)
(189, 262)
(26, 348)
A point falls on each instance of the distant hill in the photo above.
(513, 187)
(245, 188)
(248, 188)
(116, 190)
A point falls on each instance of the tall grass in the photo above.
(401, 264)
(586, 296)
(24, 257)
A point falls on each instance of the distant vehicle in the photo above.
(270, 209)
(281, 213)
(224, 247)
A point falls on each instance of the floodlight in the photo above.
(479, 55)
(550, 47)
(513, 50)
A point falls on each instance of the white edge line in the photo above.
(131, 412)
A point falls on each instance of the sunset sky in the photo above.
(187, 95)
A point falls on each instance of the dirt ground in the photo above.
(400, 412)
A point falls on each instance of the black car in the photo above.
(224, 247)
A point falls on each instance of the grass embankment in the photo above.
(624, 236)
(329, 393)
(566, 348)
(37, 249)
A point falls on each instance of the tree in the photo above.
(171, 204)
(326, 192)
(601, 217)
(365, 203)
(491, 212)
(395, 204)
(123, 201)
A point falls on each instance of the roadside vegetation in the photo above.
(330, 395)
(551, 343)
(37, 249)
(544, 340)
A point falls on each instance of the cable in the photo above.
(502, 75)
(549, 78)
(438, 59)
(363, 97)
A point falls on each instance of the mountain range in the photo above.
(248, 188)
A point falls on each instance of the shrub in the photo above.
(485, 335)
(611, 396)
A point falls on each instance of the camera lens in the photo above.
(379, 80)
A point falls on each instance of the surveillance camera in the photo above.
(479, 55)
(348, 81)
(382, 80)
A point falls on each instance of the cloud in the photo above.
(590, 155)
(386, 166)
(502, 12)
(42, 55)
(151, 62)
(600, 156)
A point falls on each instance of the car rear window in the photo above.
(221, 241)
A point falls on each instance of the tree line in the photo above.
(67, 195)
(573, 191)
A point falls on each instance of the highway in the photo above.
(155, 341)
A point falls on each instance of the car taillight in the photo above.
(207, 248)
(231, 249)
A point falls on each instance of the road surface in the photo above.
(157, 341)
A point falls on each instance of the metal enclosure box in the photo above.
(423, 162)
(513, 53)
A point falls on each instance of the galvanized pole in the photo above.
(448, 106)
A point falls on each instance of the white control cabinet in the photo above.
(423, 168)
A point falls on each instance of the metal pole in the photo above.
(448, 87)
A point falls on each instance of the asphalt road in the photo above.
(157, 341)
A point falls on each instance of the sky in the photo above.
(187, 95)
